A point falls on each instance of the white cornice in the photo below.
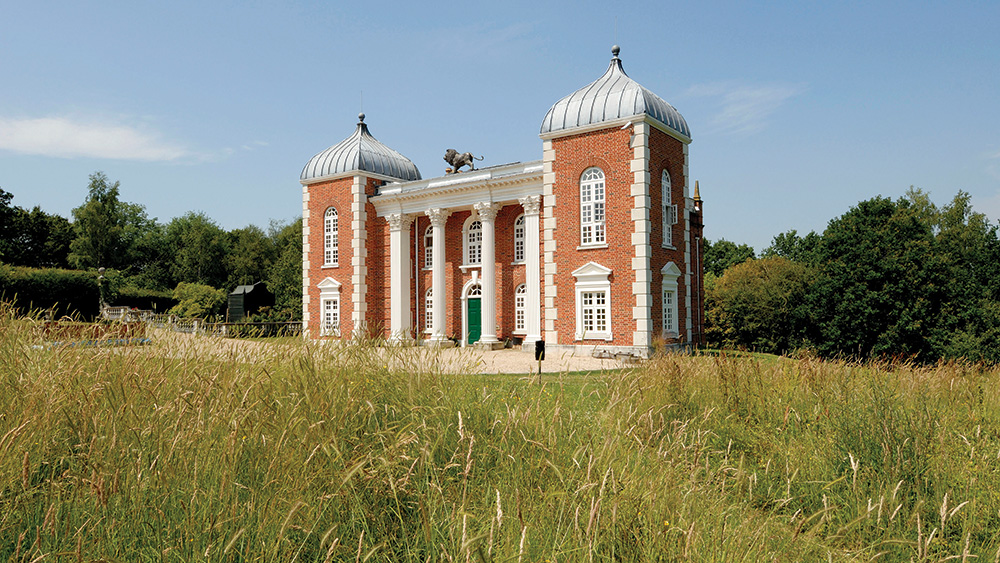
(499, 184)
(348, 174)
(620, 122)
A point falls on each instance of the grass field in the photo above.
(313, 453)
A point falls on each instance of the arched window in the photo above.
(429, 247)
(520, 299)
(519, 238)
(668, 209)
(592, 199)
(474, 243)
(330, 255)
(475, 290)
(429, 309)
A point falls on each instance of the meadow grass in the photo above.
(302, 452)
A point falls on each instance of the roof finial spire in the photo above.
(697, 191)
(615, 49)
(361, 118)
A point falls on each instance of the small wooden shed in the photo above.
(246, 300)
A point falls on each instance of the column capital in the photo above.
(398, 221)
(487, 210)
(532, 204)
(438, 216)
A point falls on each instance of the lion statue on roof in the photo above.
(458, 160)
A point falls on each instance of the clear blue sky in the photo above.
(798, 110)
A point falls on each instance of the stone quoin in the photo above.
(595, 248)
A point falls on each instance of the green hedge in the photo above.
(145, 299)
(64, 292)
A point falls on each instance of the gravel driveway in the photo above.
(451, 360)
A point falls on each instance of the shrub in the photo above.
(195, 300)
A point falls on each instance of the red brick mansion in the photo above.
(597, 246)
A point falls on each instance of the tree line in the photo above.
(890, 278)
(188, 255)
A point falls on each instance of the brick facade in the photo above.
(632, 152)
(322, 196)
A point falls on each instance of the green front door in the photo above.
(475, 326)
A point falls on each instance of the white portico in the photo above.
(483, 195)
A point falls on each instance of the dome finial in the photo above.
(361, 118)
(615, 49)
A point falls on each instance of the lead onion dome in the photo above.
(361, 152)
(612, 97)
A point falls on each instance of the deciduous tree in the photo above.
(760, 305)
(199, 249)
(880, 286)
(722, 254)
(107, 229)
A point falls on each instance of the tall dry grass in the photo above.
(185, 451)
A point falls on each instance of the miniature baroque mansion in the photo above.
(597, 247)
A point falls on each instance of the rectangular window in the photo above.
(520, 296)
(519, 239)
(331, 317)
(474, 243)
(429, 310)
(669, 311)
(595, 312)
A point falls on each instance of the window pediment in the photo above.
(670, 269)
(591, 272)
(329, 284)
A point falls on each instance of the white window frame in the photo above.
(329, 294)
(668, 210)
(429, 310)
(592, 279)
(670, 311)
(521, 309)
(593, 208)
(472, 249)
(429, 247)
(331, 226)
(519, 239)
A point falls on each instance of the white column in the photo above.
(532, 273)
(359, 259)
(642, 249)
(399, 277)
(438, 219)
(550, 248)
(305, 264)
(487, 214)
